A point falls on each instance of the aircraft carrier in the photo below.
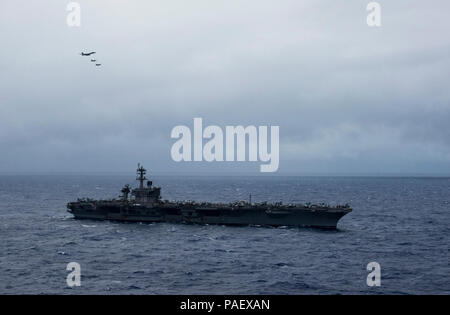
(146, 205)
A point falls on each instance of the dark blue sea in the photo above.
(401, 223)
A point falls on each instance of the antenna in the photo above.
(141, 175)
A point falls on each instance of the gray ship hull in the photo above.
(298, 217)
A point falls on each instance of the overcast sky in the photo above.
(348, 98)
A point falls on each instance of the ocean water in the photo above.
(401, 223)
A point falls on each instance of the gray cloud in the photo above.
(348, 98)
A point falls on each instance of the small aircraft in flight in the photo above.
(98, 64)
(87, 54)
(93, 60)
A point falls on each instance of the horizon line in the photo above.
(230, 174)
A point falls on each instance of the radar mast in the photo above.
(141, 175)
